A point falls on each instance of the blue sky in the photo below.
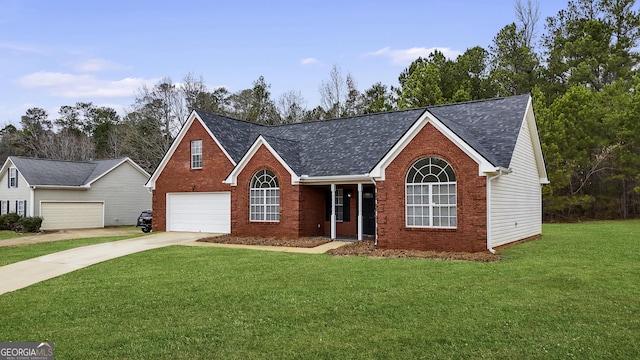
(55, 53)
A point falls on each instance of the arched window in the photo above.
(264, 197)
(431, 194)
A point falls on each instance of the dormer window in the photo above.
(13, 178)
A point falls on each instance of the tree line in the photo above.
(580, 65)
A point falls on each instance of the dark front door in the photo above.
(368, 211)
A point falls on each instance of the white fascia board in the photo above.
(232, 179)
(337, 179)
(484, 166)
(187, 125)
(530, 120)
(7, 164)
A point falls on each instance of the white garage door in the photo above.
(199, 212)
(71, 215)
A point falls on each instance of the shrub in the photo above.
(29, 224)
(9, 221)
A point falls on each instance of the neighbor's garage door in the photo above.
(199, 212)
(71, 215)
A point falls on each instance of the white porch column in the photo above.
(359, 211)
(333, 211)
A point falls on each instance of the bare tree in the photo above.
(332, 93)
(528, 16)
(290, 106)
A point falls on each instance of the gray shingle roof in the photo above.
(353, 146)
(490, 127)
(62, 173)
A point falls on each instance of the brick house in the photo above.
(459, 177)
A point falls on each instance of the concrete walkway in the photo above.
(320, 249)
(24, 273)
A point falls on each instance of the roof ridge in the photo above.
(475, 101)
(349, 117)
(231, 118)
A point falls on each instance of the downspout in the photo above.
(31, 201)
(489, 198)
(375, 206)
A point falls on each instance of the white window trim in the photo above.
(339, 205)
(13, 177)
(196, 154)
(258, 211)
(431, 205)
(21, 208)
(4, 207)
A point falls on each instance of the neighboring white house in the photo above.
(74, 194)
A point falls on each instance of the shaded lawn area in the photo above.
(12, 254)
(572, 294)
(8, 234)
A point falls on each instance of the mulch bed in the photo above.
(366, 248)
(358, 248)
(305, 242)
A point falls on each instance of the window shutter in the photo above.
(9, 178)
(16, 171)
(17, 207)
(24, 209)
(346, 208)
(327, 206)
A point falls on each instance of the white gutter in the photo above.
(60, 187)
(501, 171)
(337, 179)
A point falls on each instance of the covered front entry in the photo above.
(350, 211)
(199, 212)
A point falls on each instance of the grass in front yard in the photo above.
(8, 234)
(572, 294)
(12, 254)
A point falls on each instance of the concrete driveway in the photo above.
(22, 274)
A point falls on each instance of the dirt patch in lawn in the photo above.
(367, 248)
(305, 242)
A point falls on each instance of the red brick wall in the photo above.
(289, 224)
(471, 232)
(312, 210)
(178, 176)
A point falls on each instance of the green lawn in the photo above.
(575, 293)
(12, 254)
(7, 234)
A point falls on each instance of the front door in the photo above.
(368, 211)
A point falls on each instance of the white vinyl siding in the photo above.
(516, 198)
(122, 191)
(13, 195)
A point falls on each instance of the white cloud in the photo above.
(97, 65)
(405, 57)
(82, 86)
(22, 48)
(309, 61)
